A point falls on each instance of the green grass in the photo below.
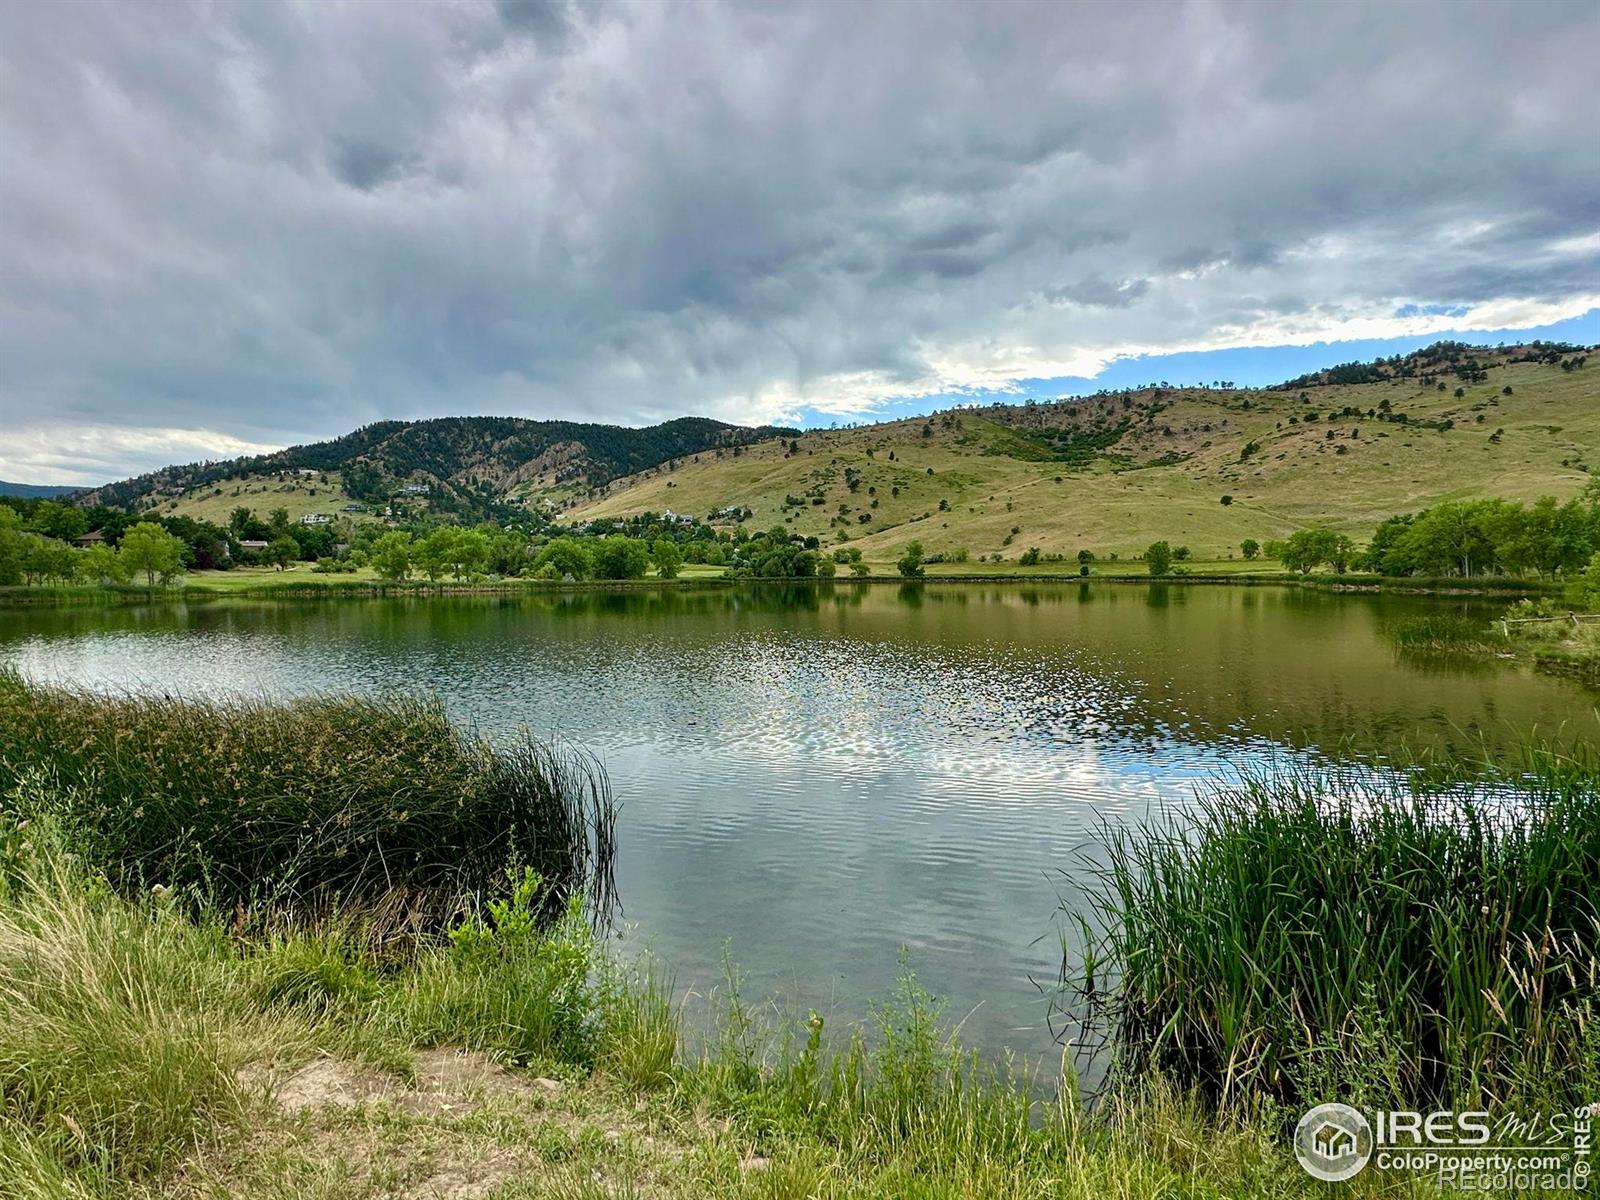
(1562, 646)
(1312, 935)
(338, 799)
(298, 574)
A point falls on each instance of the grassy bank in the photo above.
(1544, 633)
(145, 1054)
(208, 586)
(1558, 641)
(160, 1038)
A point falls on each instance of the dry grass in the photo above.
(1296, 479)
(261, 494)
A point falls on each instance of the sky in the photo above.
(227, 227)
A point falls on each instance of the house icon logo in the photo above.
(1333, 1142)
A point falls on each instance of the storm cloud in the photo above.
(226, 226)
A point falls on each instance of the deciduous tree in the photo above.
(1158, 558)
(150, 550)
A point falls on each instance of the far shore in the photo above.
(302, 582)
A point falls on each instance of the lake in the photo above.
(812, 778)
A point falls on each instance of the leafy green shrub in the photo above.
(512, 982)
(1584, 591)
(910, 564)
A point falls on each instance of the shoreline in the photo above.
(27, 596)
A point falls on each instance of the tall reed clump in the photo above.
(359, 800)
(1438, 631)
(1342, 934)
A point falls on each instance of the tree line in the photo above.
(1471, 538)
(1464, 539)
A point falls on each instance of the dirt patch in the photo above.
(462, 1179)
(446, 1081)
(462, 1071)
(451, 1079)
(325, 1083)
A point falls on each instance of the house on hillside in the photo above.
(93, 538)
(316, 519)
(252, 545)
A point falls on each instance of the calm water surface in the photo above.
(819, 777)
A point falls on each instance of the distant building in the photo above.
(93, 538)
(316, 519)
(353, 508)
(414, 489)
(252, 545)
(677, 518)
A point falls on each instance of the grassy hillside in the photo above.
(1113, 473)
(465, 464)
(298, 494)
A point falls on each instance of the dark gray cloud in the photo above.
(226, 225)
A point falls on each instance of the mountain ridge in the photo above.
(465, 463)
(1206, 467)
(39, 491)
(1346, 447)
